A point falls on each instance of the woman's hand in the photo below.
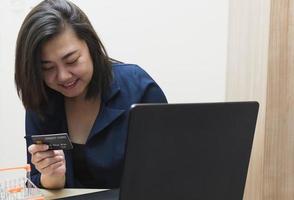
(50, 163)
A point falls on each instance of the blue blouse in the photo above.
(105, 146)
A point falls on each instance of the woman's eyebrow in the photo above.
(63, 57)
(68, 54)
(45, 61)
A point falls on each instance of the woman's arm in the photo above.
(48, 166)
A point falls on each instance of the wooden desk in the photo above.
(55, 194)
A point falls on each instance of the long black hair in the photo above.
(45, 21)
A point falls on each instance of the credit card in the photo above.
(55, 141)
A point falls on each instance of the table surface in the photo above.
(54, 194)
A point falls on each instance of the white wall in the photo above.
(181, 44)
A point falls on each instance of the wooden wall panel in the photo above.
(247, 74)
(261, 67)
(279, 157)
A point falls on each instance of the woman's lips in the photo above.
(70, 85)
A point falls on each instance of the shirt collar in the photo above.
(108, 113)
(112, 91)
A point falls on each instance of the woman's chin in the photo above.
(73, 95)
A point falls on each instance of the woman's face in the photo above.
(66, 64)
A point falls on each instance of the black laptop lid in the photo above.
(188, 151)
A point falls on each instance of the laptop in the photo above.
(187, 151)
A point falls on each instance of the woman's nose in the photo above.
(63, 74)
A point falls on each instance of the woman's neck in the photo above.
(81, 115)
(81, 103)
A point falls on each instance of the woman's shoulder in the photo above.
(126, 68)
(123, 71)
(137, 84)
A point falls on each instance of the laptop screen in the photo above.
(188, 151)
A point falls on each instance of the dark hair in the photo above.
(45, 21)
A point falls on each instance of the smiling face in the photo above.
(66, 64)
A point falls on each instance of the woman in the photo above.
(67, 83)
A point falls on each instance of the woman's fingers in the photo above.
(55, 168)
(34, 148)
(47, 161)
(39, 156)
